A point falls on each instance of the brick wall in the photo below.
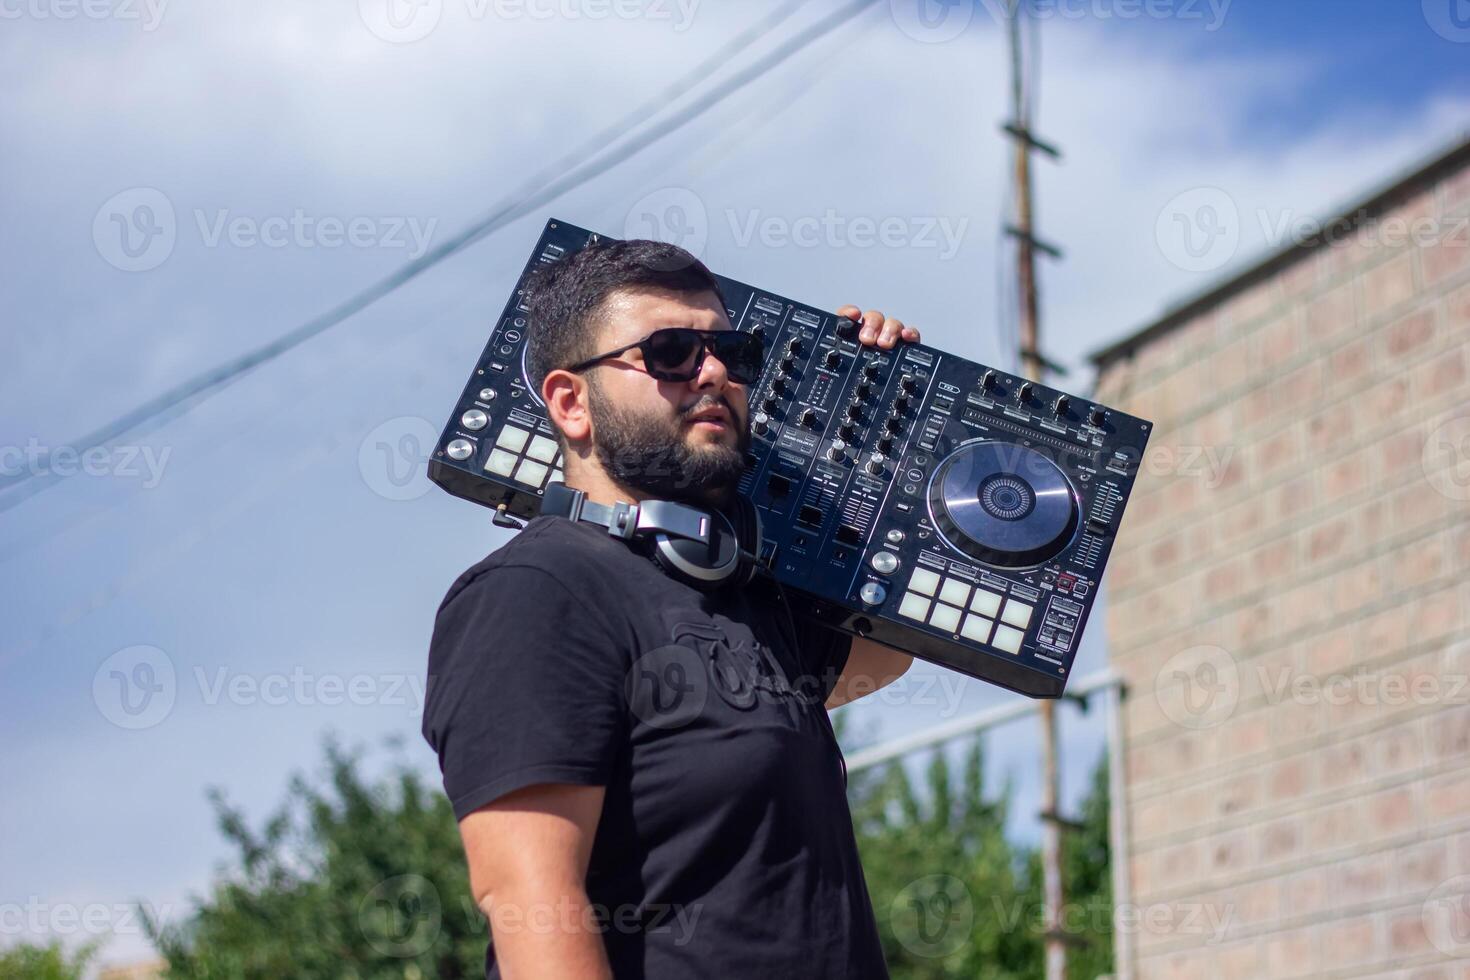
(1289, 602)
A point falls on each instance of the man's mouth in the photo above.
(711, 416)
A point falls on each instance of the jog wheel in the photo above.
(1003, 504)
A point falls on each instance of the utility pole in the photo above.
(1033, 364)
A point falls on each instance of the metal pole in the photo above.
(1119, 833)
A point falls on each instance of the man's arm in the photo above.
(869, 666)
(527, 855)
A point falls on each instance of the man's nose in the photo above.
(712, 374)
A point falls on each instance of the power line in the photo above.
(185, 396)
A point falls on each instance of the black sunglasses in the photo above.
(676, 353)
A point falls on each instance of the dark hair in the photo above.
(564, 297)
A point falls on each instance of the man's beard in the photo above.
(652, 455)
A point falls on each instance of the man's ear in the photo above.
(565, 395)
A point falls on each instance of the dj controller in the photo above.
(933, 504)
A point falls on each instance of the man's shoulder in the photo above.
(547, 547)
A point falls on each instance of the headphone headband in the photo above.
(700, 547)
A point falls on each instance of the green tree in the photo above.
(356, 882)
(953, 898)
(51, 962)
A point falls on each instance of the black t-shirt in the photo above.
(725, 846)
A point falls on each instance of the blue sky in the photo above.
(276, 545)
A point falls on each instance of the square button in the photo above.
(955, 592)
(944, 617)
(1017, 613)
(924, 581)
(1007, 639)
(500, 462)
(914, 606)
(531, 473)
(557, 476)
(986, 603)
(512, 438)
(542, 448)
(976, 628)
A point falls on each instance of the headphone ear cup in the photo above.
(704, 567)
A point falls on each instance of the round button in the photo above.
(460, 449)
(884, 562)
(872, 593)
(894, 536)
(474, 419)
(511, 336)
(914, 476)
(487, 394)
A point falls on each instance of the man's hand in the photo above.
(877, 329)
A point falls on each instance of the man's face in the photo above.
(669, 439)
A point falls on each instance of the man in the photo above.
(646, 779)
